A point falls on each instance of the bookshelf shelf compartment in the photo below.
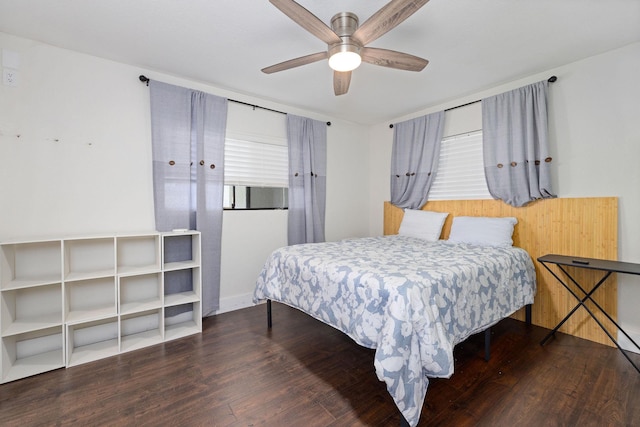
(182, 320)
(89, 258)
(180, 250)
(32, 353)
(91, 341)
(141, 330)
(30, 309)
(181, 286)
(138, 254)
(140, 293)
(90, 299)
(30, 264)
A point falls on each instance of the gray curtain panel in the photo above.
(414, 159)
(517, 161)
(307, 140)
(188, 131)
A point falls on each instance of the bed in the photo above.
(410, 299)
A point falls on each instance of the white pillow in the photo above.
(425, 225)
(483, 231)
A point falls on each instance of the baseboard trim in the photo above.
(626, 344)
(235, 302)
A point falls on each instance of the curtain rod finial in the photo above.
(144, 79)
(391, 126)
(552, 79)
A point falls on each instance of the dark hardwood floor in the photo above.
(304, 373)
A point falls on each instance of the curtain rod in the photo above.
(550, 80)
(145, 79)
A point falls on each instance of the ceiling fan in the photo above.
(347, 41)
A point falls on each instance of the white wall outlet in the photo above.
(10, 77)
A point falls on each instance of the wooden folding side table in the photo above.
(608, 267)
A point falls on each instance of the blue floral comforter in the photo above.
(409, 299)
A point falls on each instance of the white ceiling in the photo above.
(471, 44)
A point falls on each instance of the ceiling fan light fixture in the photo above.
(345, 61)
(344, 57)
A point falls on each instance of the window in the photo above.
(256, 174)
(256, 159)
(460, 173)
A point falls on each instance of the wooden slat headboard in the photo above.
(583, 227)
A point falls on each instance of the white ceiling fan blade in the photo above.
(307, 20)
(392, 59)
(296, 62)
(387, 18)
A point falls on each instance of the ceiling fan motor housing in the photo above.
(344, 24)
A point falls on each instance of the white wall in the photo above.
(595, 136)
(75, 148)
(73, 144)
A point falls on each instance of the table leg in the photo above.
(581, 302)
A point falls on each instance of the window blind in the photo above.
(255, 164)
(460, 173)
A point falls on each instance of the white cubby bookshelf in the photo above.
(73, 300)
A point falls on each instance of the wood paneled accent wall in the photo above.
(582, 227)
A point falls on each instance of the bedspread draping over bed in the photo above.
(409, 299)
